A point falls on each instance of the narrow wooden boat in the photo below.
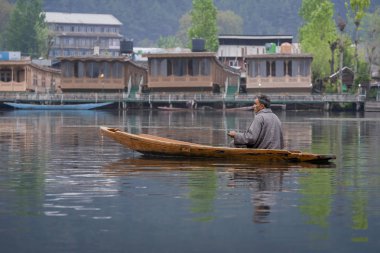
(87, 106)
(154, 145)
(168, 108)
(244, 108)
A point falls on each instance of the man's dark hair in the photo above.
(265, 100)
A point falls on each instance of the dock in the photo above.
(372, 106)
(123, 100)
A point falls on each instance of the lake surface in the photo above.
(66, 188)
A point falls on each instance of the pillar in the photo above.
(327, 106)
(358, 106)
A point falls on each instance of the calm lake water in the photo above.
(65, 188)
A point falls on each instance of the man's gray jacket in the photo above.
(264, 132)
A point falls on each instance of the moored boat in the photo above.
(168, 108)
(155, 145)
(87, 106)
(244, 108)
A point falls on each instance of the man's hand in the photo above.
(231, 134)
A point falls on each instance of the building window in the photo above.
(92, 69)
(105, 68)
(79, 69)
(270, 68)
(254, 68)
(205, 67)
(279, 65)
(5, 75)
(195, 67)
(169, 67)
(154, 67)
(71, 41)
(288, 68)
(190, 69)
(67, 69)
(304, 67)
(163, 67)
(180, 67)
(117, 70)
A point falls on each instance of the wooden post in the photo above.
(327, 106)
(358, 106)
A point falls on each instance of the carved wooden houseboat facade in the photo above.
(279, 73)
(23, 75)
(102, 74)
(190, 72)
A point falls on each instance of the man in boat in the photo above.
(265, 131)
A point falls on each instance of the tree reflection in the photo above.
(317, 194)
(203, 185)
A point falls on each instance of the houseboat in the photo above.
(23, 75)
(190, 72)
(102, 74)
(282, 73)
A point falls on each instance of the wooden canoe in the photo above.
(168, 108)
(87, 106)
(244, 108)
(154, 145)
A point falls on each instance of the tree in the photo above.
(372, 38)
(228, 23)
(358, 8)
(318, 30)
(5, 10)
(183, 30)
(26, 30)
(169, 42)
(203, 23)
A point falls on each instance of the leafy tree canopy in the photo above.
(203, 23)
(5, 10)
(26, 28)
(228, 23)
(319, 29)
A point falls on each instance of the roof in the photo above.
(253, 40)
(28, 63)
(81, 18)
(249, 37)
(279, 56)
(93, 58)
(344, 69)
(100, 58)
(181, 55)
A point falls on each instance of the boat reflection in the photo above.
(205, 177)
(157, 164)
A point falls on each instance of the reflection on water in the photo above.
(202, 179)
(59, 179)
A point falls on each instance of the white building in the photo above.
(82, 34)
